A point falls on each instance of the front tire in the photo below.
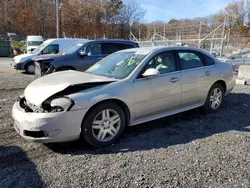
(215, 98)
(30, 68)
(103, 124)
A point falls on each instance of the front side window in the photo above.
(118, 65)
(40, 47)
(71, 49)
(190, 60)
(93, 49)
(163, 62)
(51, 49)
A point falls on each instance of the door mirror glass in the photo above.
(151, 72)
(82, 54)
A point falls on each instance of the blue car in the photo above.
(79, 56)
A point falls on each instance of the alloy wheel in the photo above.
(106, 125)
(31, 68)
(215, 98)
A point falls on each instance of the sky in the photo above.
(164, 10)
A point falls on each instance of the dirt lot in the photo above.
(191, 149)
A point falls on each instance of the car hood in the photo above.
(43, 88)
(45, 57)
(23, 57)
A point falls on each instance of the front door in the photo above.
(158, 94)
(94, 54)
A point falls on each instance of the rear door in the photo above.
(195, 77)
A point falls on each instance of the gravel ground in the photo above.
(191, 149)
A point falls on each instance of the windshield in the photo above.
(40, 47)
(71, 49)
(118, 65)
(34, 43)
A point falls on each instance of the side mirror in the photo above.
(151, 72)
(82, 54)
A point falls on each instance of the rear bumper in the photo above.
(48, 127)
(230, 85)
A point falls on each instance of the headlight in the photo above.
(61, 104)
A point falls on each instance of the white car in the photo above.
(126, 88)
(32, 42)
(51, 46)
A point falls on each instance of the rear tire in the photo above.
(215, 98)
(103, 125)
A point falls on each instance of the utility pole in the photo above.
(222, 41)
(212, 43)
(228, 39)
(57, 18)
(8, 6)
(139, 34)
(130, 33)
(199, 44)
(164, 31)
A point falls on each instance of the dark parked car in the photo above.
(79, 56)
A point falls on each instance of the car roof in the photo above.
(65, 39)
(114, 40)
(147, 50)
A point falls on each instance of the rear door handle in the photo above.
(174, 79)
(100, 58)
(207, 73)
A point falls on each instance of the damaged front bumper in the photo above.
(44, 68)
(48, 127)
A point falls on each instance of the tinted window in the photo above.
(93, 49)
(51, 49)
(109, 48)
(190, 60)
(71, 49)
(163, 62)
(124, 46)
(208, 61)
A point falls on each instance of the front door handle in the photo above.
(174, 79)
(207, 73)
(100, 58)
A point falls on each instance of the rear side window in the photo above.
(109, 48)
(124, 46)
(190, 60)
(208, 61)
(51, 49)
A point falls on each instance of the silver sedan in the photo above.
(126, 88)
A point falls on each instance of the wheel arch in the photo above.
(223, 84)
(27, 63)
(120, 103)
